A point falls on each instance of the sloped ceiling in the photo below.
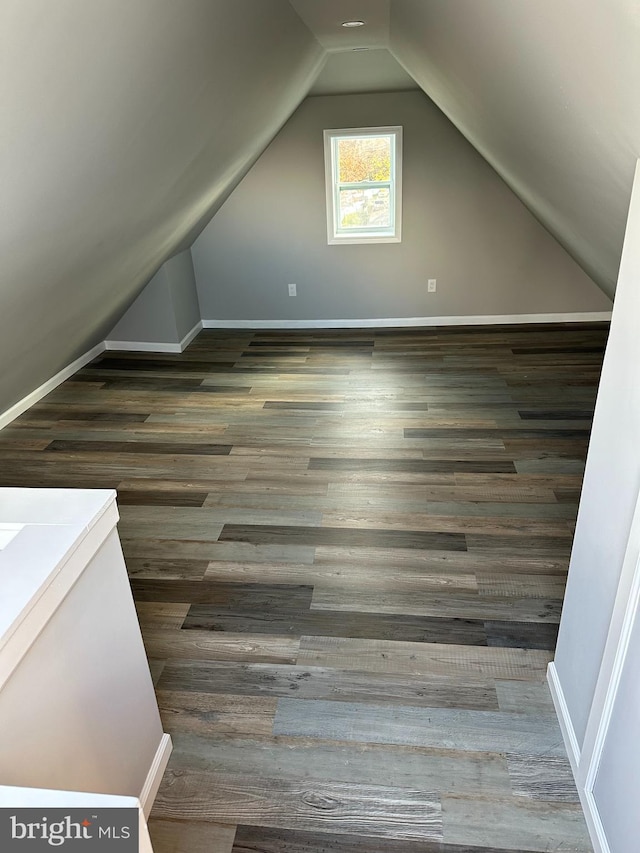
(548, 92)
(124, 125)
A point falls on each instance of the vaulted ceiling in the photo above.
(126, 123)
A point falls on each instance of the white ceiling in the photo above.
(362, 71)
(323, 17)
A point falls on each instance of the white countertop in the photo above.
(39, 531)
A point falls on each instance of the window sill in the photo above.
(363, 238)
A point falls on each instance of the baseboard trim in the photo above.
(184, 343)
(397, 322)
(141, 346)
(564, 718)
(154, 776)
(34, 397)
(154, 346)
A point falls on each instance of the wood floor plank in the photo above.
(462, 496)
(531, 586)
(367, 810)
(523, 635)
(542, 777)
(399, 502)
(423, 521)
(555, 414)
(505, 823)
(324, 761)
(410, 466)
(154, 447)
(346, 575)
(207, 645)
(456, 729)
(280, 534)
(211, 518)
(168, 836)
(454, 604)
(329, 623)
(283, 598)
(324, 683)
(190, 549)
(160, 614)
(258, 839)
(159, 569)
(424, 658)
(410, 560)
(524, 697)
(151, 497)
(216, 714)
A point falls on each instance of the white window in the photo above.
(363, 171)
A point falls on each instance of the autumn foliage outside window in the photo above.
(363, 184)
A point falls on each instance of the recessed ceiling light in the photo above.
(359, 48)
(352, 24)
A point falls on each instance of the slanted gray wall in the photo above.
(124, 126)
(461, 225)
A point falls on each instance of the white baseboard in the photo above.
(31, 399)
(184, 343)
(141, 346)
(154, 346)
(154, 776)
(395, 322)
(564, 718)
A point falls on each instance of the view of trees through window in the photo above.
(367, 159)
(360, 160)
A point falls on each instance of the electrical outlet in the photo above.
(292, 290)
(431, 286)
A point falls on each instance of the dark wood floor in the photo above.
(348, 551)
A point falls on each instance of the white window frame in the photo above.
(338, 237)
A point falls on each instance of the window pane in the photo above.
(364, 159)
(369, 208)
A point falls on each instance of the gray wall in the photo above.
(184, 295)
(461, 225)
(150, 318)
(610, 490)
(123, 127)
(166, 310)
